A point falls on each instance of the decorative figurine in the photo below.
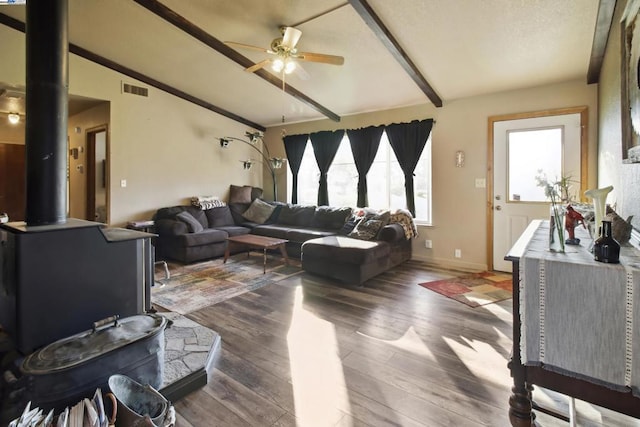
(571, 220)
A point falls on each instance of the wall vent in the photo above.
(135, 90)
(12, 93)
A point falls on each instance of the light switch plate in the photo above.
(481, 183)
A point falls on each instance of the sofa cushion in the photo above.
(237, 209)
(330, 218)
(239, 194)
(271, 230)
(303, 234)
(345, 249)
(219, 217)
(259, 211)
(192, 224)
(273, 219)
(205, 237)
(296, 215)
(234, 230)
(256, 193)
(170, 227)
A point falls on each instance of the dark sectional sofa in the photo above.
(317, 235)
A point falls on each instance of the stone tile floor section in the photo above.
(187, 347)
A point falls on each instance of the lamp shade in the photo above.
(13, 118)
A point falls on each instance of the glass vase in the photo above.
(556, 228)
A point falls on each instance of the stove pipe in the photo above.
(47, 78)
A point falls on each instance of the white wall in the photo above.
(624, 177)
(163, 146)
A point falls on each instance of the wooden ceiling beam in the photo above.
(77, 50)
(199, 34)
(382, 32)
(604, 20)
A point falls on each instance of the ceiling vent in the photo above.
(11, 93)
(135, 90)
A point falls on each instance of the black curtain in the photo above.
(325, 145)
(408, 141)
(364, 146)
(294, 146)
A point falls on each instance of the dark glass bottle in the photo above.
(606, 248)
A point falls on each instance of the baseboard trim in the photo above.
(450, 264)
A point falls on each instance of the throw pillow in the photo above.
(192, 224)
(259, 211)
(239, 194)
(349, 225)
(366, 229)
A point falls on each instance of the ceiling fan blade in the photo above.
(319, 57)
(255, 67)
(301, 72)
(291, 37)
(248, 46)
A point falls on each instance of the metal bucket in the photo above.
(137, 401)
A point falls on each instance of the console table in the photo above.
(576, 326)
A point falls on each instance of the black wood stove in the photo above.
(59, 275)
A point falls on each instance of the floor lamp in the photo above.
(271, 162)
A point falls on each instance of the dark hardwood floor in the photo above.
(309, 352)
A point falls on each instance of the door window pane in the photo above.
(529, 152)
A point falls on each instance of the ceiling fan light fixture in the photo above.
(278, 65)
(289, 66)
(13, 118)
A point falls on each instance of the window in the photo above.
(529, 152)
(385, 180)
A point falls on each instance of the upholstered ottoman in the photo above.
(346, 259)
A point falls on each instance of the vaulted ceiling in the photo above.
(397, 53)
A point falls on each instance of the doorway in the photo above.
(97, 201)
(12, 181)
(520, 145)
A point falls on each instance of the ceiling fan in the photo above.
(286, 54)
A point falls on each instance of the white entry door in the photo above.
(521, 149)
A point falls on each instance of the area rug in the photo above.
(474, 289)
(192, 287)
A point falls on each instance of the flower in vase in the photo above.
(553, 190)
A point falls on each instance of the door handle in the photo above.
(498, 208)
(498, 197)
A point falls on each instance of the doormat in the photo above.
(195, 286)
(476, 289)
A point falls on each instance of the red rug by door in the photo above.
(474, 289)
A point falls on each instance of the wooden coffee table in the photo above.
(251, 241)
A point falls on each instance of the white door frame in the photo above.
(584, 123)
